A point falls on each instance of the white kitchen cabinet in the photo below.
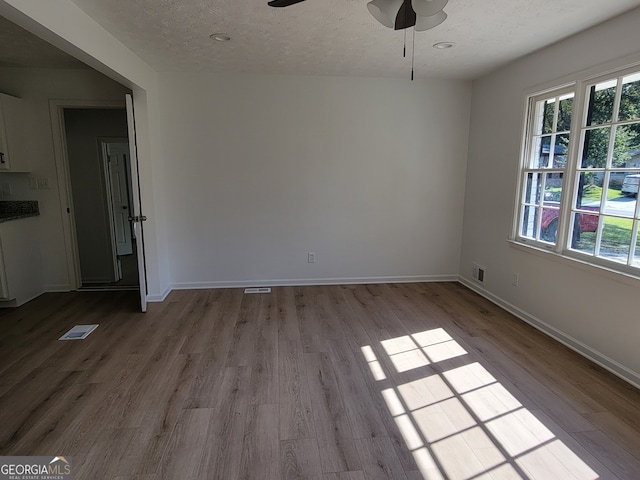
(20, 262)
(13, 135)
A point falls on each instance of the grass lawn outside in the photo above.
(590, 193)
(616, 238)
(594, 193)
(616, 234)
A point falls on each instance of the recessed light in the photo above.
(443, 45)
(220, 37)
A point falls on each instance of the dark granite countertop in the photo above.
(16, 209)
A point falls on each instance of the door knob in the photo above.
(124, 207)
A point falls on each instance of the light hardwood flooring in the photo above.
(406, 382)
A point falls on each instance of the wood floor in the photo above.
(405, 382)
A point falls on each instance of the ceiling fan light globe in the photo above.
(385, 11)
(427, 23)
(428, 8)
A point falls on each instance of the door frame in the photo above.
(61, 154)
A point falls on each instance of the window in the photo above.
(580, 176)
(545, 165)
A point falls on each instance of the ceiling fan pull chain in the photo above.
(404, 48)
(413, 52)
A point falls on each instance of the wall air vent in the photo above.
(478, 273)
(79, 332)
(257, 290)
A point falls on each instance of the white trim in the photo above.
(109, 288)
(577, 346)
(586, 265)
(160, 297)
(60, 287)
(585, 75)
(98, 280)
(13, 302)
(314, 281)
(136, 196)
(583, 81)
(60, 154)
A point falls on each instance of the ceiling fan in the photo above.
(397, 14)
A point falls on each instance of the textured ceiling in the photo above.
(340, 37)
(19, 48)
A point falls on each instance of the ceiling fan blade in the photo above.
(283, 3)
(406, 16)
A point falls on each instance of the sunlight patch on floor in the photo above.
(417, 350)
(463, 423)
(374, 364)
(404, 353)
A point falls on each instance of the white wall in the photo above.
(367, 173)
(36, 87)
(592, 310)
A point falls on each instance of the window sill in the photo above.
(599, 270)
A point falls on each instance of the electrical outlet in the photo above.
(43, 183)
(515, 279)
(311, 257)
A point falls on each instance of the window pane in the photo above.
(601, 103)
(626, 149)
(565, 109)
(548, 108)
(540, 151)
(549, 226)
(616, 203)
(584, 233)
(596, 146)
(553, 190)
(533, 188)
(630, 98)
(636, 258)
(560, 151)
(529, 222)
(616, 239)
(630, 184)
(589, 190)
(551, 210)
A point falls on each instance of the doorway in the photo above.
(101, 197)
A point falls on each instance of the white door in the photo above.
(136, 209)
(119, 193)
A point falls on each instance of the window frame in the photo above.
(580, 87)
(524, 167)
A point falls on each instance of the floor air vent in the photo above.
(79, 332)
(257, 290)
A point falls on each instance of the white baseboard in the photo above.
(14, 302)
(159, 297)
(68, 288)
(97, 280)
(61, 287)
(314, 281)
(586, 351)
